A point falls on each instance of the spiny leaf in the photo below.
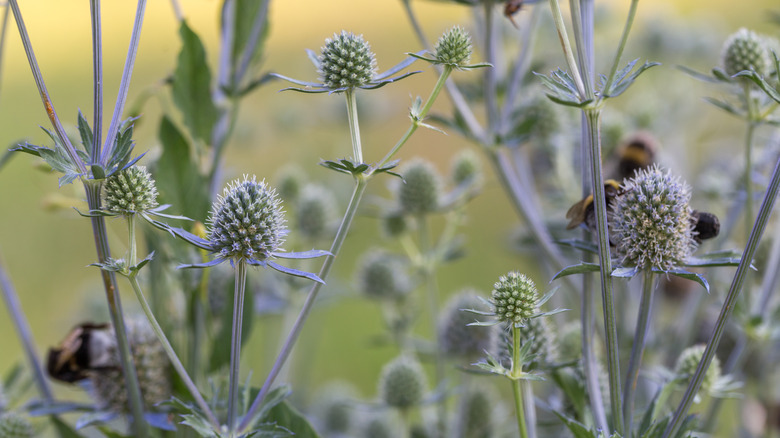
(580, 268)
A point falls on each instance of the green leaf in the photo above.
(85, 132)
(178, 177)
(63, 429)
(708, 262)
(220, 349)
(286, 416)
(247, 12)
(697, 75)
(580, 268)
(682, 273)
(577, 429)
(192, 86)
(768, 88)
(725, 106)
(573, 390)
(622, 83)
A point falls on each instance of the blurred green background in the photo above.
(46, 246)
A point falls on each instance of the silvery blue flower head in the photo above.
(247, 224)
(652, 221)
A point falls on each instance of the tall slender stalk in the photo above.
(97, 79)
(515, 373)
(610, 325)
(235, 343)
(731, 299)
(638, 347)
(175, 362)
(22, 327)
(354, 127)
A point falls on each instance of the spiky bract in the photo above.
(130, 191)
(247, 221)
(651, 223)
(346, 61)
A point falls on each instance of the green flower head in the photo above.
(514, 298)
(421, 189)
(346, 61)
(402, 383)
(453, 48)
(745, 50)
(130, 190)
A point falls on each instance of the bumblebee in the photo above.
(635, 153)
(705, 225)
(88, 347)
(512, 7)
(583, 211)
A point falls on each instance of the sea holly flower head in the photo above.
(14, 425)
(715, 383)
(745, 50)
(453, 50)
(247, 224)
(652, 224)
(346, 62)
(402, 383)
(130, 190)
(514, 298)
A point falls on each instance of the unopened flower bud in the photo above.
(454, 48)
(346, 61)
(402, 383)
(745, 50)
(131, 190)
(514, 297)
(419, 193)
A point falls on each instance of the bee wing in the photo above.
(576, 214)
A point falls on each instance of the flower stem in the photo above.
(292, 337)
(622, 44)
(177, 365)
(638, 347)
(423, 112)
(22, 327)
(354, 127)
(491, 80)
(92, 189)
(517, 368)
(235, 344)
(432, 290)
(593, 117)
(731, 299)
(97, 80)
(567, 51)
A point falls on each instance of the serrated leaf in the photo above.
(573, 389)
(286, 416)
(768, 88)
(272, 399)
(572, 102)
(725, 106)
(177, 174)
(246, 14)
(85, 132)
(580, 268)
(577, 429)
(191, 86)
(67, 179)
(622, 84)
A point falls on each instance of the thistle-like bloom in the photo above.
(457, 337)
(346, 61)
(152, 366)
(466, 168)
(454, 48)
(247, 224)
(130, 190)
(402, 383)
(383, 276)
(315, 212)
(745, 50)
(421, 189)
(13, 425)
(688, 362)
(514, 298)
(652, 221)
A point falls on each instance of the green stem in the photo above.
(432, 290)
(423, 112)
(92, 189)
(731, 300)
(517, 368)
(491, 80)
(567, 52)
(579, 39)
(177, 365)
(235, 343)
(593, 118)
(622, 44)
(354, 127)
(338, 241)
(638, 347)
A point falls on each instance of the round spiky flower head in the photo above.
(152, 366)
(402, 383)
(476, 412)
(652, 221)
(130, 190)
(247, 221)
(383, 276)
(289, 182)
(13, 425)
(346, 61)
(688, 362)
(419, 193)
(453, 48)
(515, 298)
(456, 337)
(745, 50)
(466, 168)
(315, 212)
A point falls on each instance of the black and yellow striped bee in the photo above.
(583, 212)
(706, 225)
(88, 347)
(637, 152)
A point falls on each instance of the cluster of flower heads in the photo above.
(651, 221)
(247, 221)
